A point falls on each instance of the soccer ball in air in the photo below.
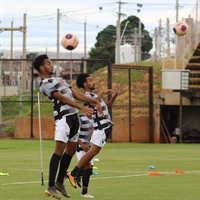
(180, 28)
(69, 41)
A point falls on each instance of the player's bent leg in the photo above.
(71, 148)
(61, 188)
(60, 147)
(72, 179)
(51, 191)
(93, 151)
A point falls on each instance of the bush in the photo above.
(10, 128)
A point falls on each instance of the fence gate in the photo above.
(136, 103)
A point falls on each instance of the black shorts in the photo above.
(73, 123)
(108, 131)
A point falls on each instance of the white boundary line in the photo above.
(111, 177)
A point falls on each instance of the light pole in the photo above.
(124, 30)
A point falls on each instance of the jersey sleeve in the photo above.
(87, 94)
(48, 89)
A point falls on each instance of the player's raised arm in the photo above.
(92, 102)
(109, 103)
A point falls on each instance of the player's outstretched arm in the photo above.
(87, 111)
(92, 102)
(100, 95)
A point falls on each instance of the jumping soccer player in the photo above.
(85, 132)
(102, 125)
(66, 122)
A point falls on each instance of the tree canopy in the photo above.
(105, 43)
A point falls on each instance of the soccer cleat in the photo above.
(61, 188)
(78, 181)
(51, 191)
(87, 196)
(71, 179)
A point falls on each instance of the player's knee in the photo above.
(71, 149)
(94, 153)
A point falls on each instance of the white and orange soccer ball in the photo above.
(69, 41)
(180, 28)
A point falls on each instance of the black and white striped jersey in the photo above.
(85, 130)
(52, 84)
(100, 122)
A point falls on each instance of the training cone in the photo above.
(177, 171)
(155, 173)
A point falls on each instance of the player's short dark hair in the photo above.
(39, 60)
(81, 79)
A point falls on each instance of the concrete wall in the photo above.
(139, 130)
(120, 133)
(23, 130)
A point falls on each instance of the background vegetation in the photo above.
(11, 107)
(106, 42)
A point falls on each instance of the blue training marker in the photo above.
(151, 167)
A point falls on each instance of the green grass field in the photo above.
(123, 171)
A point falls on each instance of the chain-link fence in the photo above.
(19, 87)
(134, 102)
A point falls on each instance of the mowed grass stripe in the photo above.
(123, 171)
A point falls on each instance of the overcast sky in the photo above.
(42, 19)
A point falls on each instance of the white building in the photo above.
(127, 54)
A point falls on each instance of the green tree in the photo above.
(105, 44)
(31, 55)
(104, 48)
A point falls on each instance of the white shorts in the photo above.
(62, 132)
(98, 138)
(80, 154)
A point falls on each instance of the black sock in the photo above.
(75, 171)
(80, 173)
(85, 180)
(53, 167)
(64, 164)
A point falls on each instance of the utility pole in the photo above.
(24, 56)
(117, 48)
(0, 90)
(11, 55)
(159, 41)
(70, 66)
(21, 29)
(139, 41)
(118, 33)
(168, 39)
(1, 83)
(156, 45)
(85, 54)
(177, 10)
(177, 38)
(135, 44)
(58, 43)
